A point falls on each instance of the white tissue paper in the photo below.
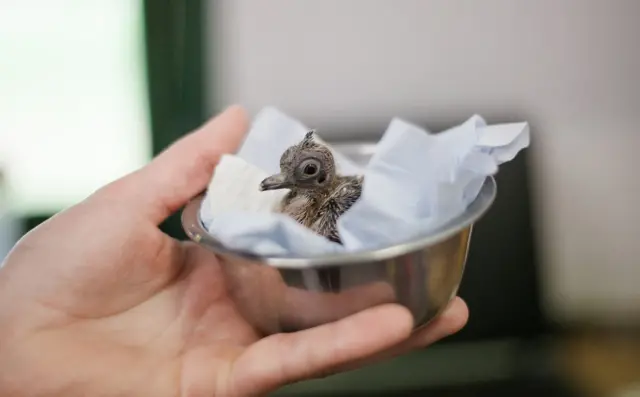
(415, 182)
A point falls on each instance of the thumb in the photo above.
(184, 169)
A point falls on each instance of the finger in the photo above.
(184, 169)
(452, 320)
(285, 358)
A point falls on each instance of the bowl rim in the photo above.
(195, 230)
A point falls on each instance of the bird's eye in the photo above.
(310, 169)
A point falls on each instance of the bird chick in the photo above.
(318, 196)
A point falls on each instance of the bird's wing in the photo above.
(342, 198)
(346, 194)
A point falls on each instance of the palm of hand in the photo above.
(130, 311)
(161, 314)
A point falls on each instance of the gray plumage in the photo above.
(318, 196)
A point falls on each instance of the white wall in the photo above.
(570, 67)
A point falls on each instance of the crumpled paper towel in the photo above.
(415, 182)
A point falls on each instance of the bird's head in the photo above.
(309, 165)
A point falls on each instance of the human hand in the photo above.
(97, 301)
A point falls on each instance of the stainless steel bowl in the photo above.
(289, 294)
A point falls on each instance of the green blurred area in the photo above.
(175, 56)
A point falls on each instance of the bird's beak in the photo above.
(274, 182)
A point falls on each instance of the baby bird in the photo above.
(318, 196)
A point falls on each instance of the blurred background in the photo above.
(90, 90)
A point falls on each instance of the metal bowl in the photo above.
(290, 294)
